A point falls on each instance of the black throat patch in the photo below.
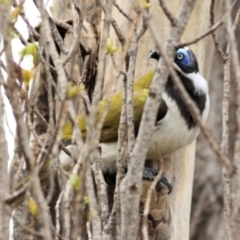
(198, 98)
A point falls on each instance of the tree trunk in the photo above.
(207, 220)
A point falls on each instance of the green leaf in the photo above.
(85, 200)
(73, 91)
(5, 2)
(14, 35)
(27, 76)
(110, 48)
(146, 4)
(75, 181)
(15, 13)
(33, 207)
(31, 49)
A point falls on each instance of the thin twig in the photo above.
(110, 227)
(77, 26)
(117, 69)
(234, 218)
(57, 37)
(225, 139)
(21, 38)
(32, 32)
(116, 28)
(149, 197)
(216, 43)
(23, 226)
(236, 21)
(123, 13)
(173, 20)
(225, 133)
(132, 52)
(93, 204)
(101, 188)
(120, 36)
(46, 124)
(63, 24)
(58, 215)
(141, 30)
(211, 30)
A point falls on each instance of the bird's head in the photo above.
(184, 61)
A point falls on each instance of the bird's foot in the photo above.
(150, 174)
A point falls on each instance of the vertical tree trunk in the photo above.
(4, 210)
(207, 220)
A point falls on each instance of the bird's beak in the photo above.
(155, 55)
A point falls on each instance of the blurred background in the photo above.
(207, 202)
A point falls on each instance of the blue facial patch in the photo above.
(183, 56)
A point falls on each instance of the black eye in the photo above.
(180, 56)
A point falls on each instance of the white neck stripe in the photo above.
(198, 80)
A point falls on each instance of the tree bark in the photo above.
(4, 187)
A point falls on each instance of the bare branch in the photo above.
(57, 36)
(77, 26)
(148, 200)
(218, 48)
(236, 21)
(130, 79)
(235, 178)
(4, 186)
(101, 189)
(225, 140)
(141, 30)
(63, 24)
(95, 219)
(123, 13)
(173, 20)
(211, 30)
(115, 26)
(110, 227)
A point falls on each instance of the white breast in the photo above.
(171, 132)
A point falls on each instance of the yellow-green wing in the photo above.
(109, 131)
(144, 82)
(111, 123)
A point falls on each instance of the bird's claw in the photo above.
(150, 174)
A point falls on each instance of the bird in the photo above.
(174, 127)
